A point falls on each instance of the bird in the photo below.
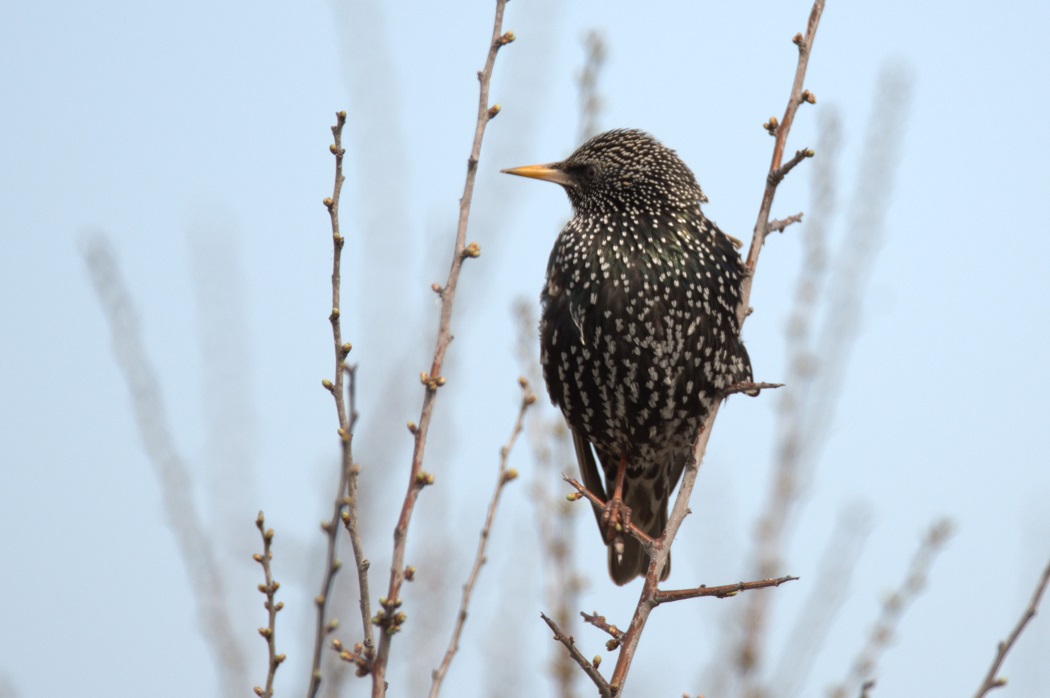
(639, 336)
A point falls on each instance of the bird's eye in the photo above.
(590, 172)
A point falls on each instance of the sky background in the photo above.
(195, 135)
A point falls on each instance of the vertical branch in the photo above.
(168, 464)
(269, 590)
(587, 82)
(660, 548)
(389, 618)
(777, 170)
(503, 476)
(344, 506)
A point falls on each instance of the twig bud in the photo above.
(327, 384)
(797, 39)
(493, 110)
(511, 474)
(573, 496)
(597, 661)
(507, 38)
(423, 479)
(808, 97)
(436, 288)
(327, 202)
(472, 250)
(410, 574)
(772, 125)
(412, 428)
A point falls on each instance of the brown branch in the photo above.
(777, 225)
(749, 388)
(172, 473)
(344, 504)
(721, 592)
(893, 608)
(604, 689)
(269, 590)
(434, 380)
(600, 623)
(660, 548)
(502, 478)
(805, 46)
(992, 680)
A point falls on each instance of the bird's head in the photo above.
(625, 168)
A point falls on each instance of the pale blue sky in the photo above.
(195, 136)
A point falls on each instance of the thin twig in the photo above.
(992, 679)
(721, 592)
(269, 590)
(777, 225)
(388, 617)
(604, 689)
(805, 46)
(168, 464)
(503, 476)
(602, 624)
(346, 491)
(587, 82)
(893, 609)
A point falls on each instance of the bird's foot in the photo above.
(616, 519)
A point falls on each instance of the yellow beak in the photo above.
(544, 172)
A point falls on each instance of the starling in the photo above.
(639, 333)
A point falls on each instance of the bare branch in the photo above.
(502, 478)
(893, 609)
(781, 130)
(344, 506)
(604, 689)
(600, 623)
(659, 548)
(168, 464)
(721, 592)
(587, 82)
(777, 225)
(434, 380)
(992, 679)
(269, 590)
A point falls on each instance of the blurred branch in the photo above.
(587, 83)
(269, 590)
(389, 618)
(893, 609)
(502, 478)
(168, 464)
(992, 679)
(344, 507)
(817, 360)
(823, 603)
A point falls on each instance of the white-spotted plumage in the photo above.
(638, 331)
